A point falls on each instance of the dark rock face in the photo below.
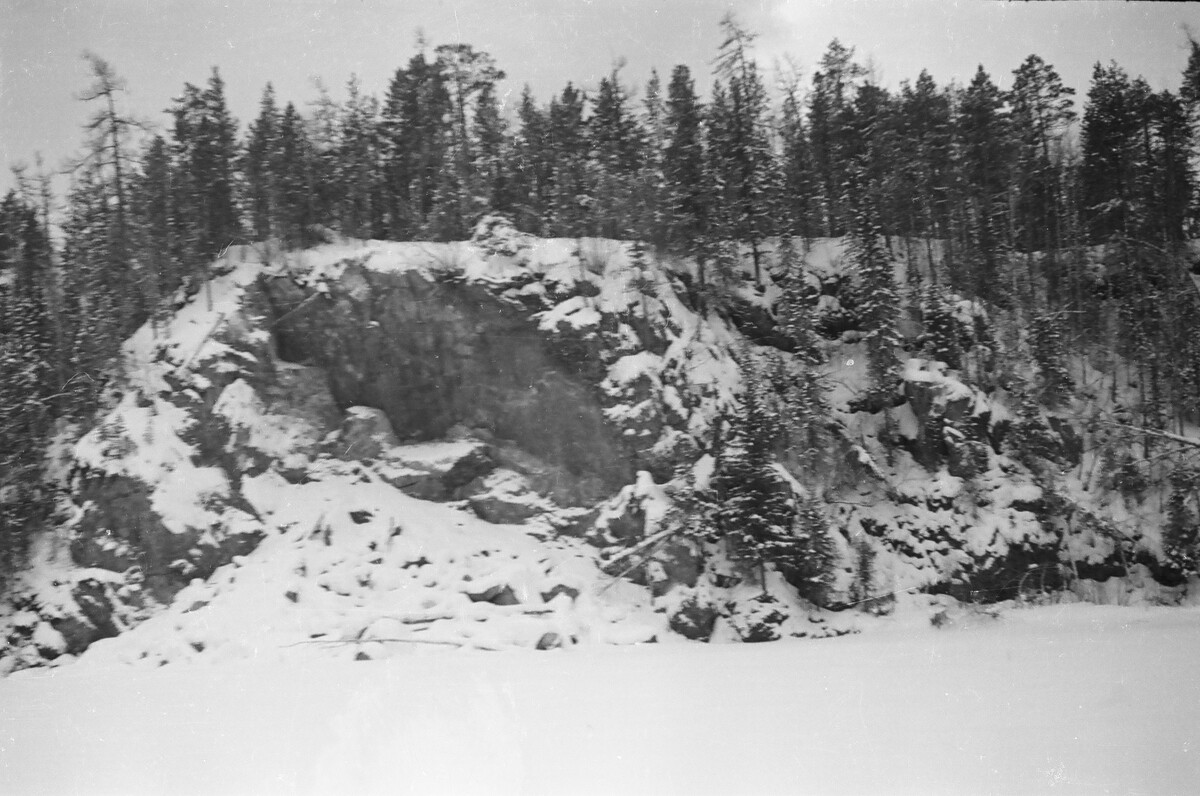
(120, 530)
(433, 355)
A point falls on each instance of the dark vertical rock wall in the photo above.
(433, 355)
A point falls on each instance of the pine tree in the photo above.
(1113, 153)
(1171, 179)
(1041, 115)
(465, 74)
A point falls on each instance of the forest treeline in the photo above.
(1016, 185)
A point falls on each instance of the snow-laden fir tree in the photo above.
(26, 351)
(795, 315)
(1181, 536)
(1047, 339)
(757, 514)
(878, 307)
(942, 339)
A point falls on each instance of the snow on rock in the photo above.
(353, 567)
(301, 407)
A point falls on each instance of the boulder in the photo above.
(366, 434)
(504, 498)
(496, 595)
(550, 641)
(436, 470)
(694, 619)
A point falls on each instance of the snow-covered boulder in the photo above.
(366, 433)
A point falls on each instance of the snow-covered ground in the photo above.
(1060, 699)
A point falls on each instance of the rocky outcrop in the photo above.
(433, 355)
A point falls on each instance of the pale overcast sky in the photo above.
(157, 45)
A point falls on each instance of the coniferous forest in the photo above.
(1010, 192)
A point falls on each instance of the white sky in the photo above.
(157, 45)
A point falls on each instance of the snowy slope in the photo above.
(1073, 699)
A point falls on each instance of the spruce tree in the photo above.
(1041, 115)
(206, 152)
(942, 340)
(295, 179)
(983, 139)
(491, 168)
(361, 209)
(797, 305)
(651, 216)
(1047, 339)
(1112, 153)
(26, 341)
(685, 178)
(926, 138)
(878, 308)
(260, 160)
(801, 201)
(743, 159)
(1181, 536)
(153, 208)
(833, 90)
(566, 138)
(615, 145)
(757, 512)
(533, 167)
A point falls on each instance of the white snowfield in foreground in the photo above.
(1061, 699)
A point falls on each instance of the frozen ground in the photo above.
(1061, 699)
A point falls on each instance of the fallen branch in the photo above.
(646, 543)
(1150, 431)
(294, 309)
